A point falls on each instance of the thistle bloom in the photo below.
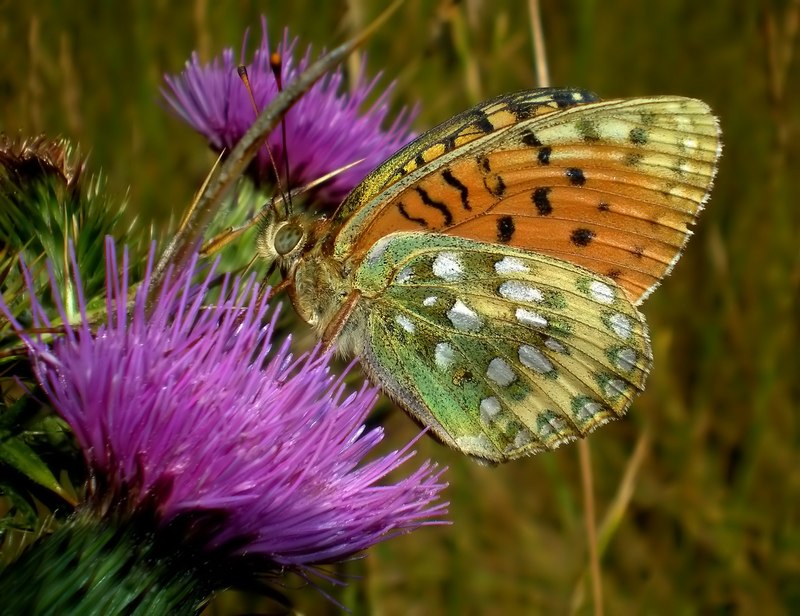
(191, 418)
(326, 129)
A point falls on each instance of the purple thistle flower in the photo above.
(325, 130)
(186, 411)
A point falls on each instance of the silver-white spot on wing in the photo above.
(510, 265)
(601, 292)
(621, 325)
(500, 372)
(520, 291)
(406, 323)
(490, 407)
(464, 318)
(529, 317)
(448, 267)
(534, 359)
(444, 355)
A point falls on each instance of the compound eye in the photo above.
(287, 238)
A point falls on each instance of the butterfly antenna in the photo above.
(242, 71)
(193, 205)
(276, 64)
(222, 239)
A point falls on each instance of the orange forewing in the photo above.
(621, 209)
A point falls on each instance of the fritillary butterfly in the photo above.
(487, 274)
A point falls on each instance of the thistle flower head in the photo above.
(327, 129)
(189, 412)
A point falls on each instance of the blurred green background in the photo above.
(698, 489)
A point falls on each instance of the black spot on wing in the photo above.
(495, 185)
(402, 209)
(544, 155)
(530, 139)
(505, 229)
(493, 182)
(483, 124)
(638, 136)
(453, 181)
(575, 176)
(567, 98)
(523, 109)
(437, 205)
(541, 200)
(582, 237)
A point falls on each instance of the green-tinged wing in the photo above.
(503, 353)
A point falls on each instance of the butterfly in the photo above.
(488, 274)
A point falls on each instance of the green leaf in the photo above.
(15, 453)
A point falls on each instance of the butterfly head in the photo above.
(293, 244)
(282, 239)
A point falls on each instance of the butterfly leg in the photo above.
(339, 320)
(229, 235)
